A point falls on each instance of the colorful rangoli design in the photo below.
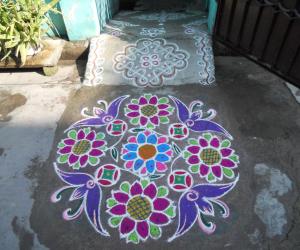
(151, 61)
(156, 139)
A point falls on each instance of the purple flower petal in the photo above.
(143, 101)
(215, 142)
(133, 106)
(163, 106)
(80, 135)
(217, 171)
(159, 218)
(227, 163)
(127, 225)
(203, 143)
(119, 209)
(194, 159)
(83, 159)
(69, 142)
(150, 191)
(98, 144)
(163, 113)
(204, 170)
(143, 229)
(65, 150)
(161, 204)
(121, 197)
(143, 120)
(133, 114)
(226, 152)
(154, 120)
(153, 100)
(73, 158)
(96, 152)
(91, 136)
(193, 149)
(136, 188)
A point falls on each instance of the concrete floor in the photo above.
(259, 110)
(253, 104)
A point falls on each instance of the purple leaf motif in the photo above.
(88, 191)
(195, 121)
(197, 202)
(101, 117)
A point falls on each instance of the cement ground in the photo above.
(253, 104)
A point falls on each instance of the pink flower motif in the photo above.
(149, 111)
(81, 148)
(140, 210)
(211, 157)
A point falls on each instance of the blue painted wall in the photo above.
(83, 19)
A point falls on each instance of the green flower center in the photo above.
(210, 156)
(81, 147)
(139, 208)
(149, 110)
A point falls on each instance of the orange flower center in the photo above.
(147, 151)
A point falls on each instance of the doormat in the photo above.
(139, 164)
(152, 49)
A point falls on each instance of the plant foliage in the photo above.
(22, 25)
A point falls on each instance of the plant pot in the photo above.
(46, 57)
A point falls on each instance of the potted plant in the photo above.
(23, 24)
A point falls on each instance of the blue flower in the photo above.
(147, 153)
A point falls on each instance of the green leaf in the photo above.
(176, 148)
(93, 160)
(61, 145)
(211, 178)
(193, 141)
(207, 136)
(125, 186)
(86, 130)
(162, 191)
(72, 134)
(170, 211)
(76, 166)
(63, 159)
(133, 237)
(186, 154)
(111, 202)
(134, 101)
(156, 176)
(135, 121)
(228, 173)
(115, 221)
(194, 169)
(164, 120)
(171, 109)
(115, 154)
(155, 231)
(163, 100)
(144, 183)
(150, 126)
(136, 130)
(100, 136)
(148, 96)
(235, 158)
(225, 144)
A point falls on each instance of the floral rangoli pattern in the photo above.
(151, 61)
(152, 139)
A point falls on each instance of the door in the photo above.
(266, 31)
